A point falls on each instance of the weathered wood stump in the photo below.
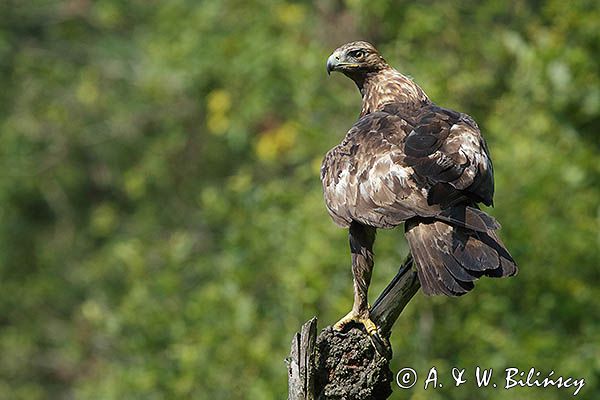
(350, 364)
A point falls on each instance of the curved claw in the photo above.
(381, 344)
(358, 318)
(353, 316)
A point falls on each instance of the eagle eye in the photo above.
(356, 54)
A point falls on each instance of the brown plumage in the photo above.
(407, 160)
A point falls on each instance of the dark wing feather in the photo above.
(446, 148)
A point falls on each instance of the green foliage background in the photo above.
(162, 229)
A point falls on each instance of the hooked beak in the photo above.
(335, 62)
(332, 62)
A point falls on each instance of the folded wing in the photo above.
(447, 150)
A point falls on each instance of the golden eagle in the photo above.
(407, 160)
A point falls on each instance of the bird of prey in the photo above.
(407, 160)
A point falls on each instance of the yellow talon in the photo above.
(381, 344)
(353, 316)
(369, 326)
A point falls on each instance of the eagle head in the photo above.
(355, 60)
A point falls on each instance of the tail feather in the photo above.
(508, 267)
(469, 217)
(449, 258)
(437, 278)
(472, 253)
(458, 271)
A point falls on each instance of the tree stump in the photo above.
(350, 364)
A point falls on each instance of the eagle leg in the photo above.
(361, 238)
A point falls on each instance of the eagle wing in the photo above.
(365, 178)
(446, 148)
(391, 167)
